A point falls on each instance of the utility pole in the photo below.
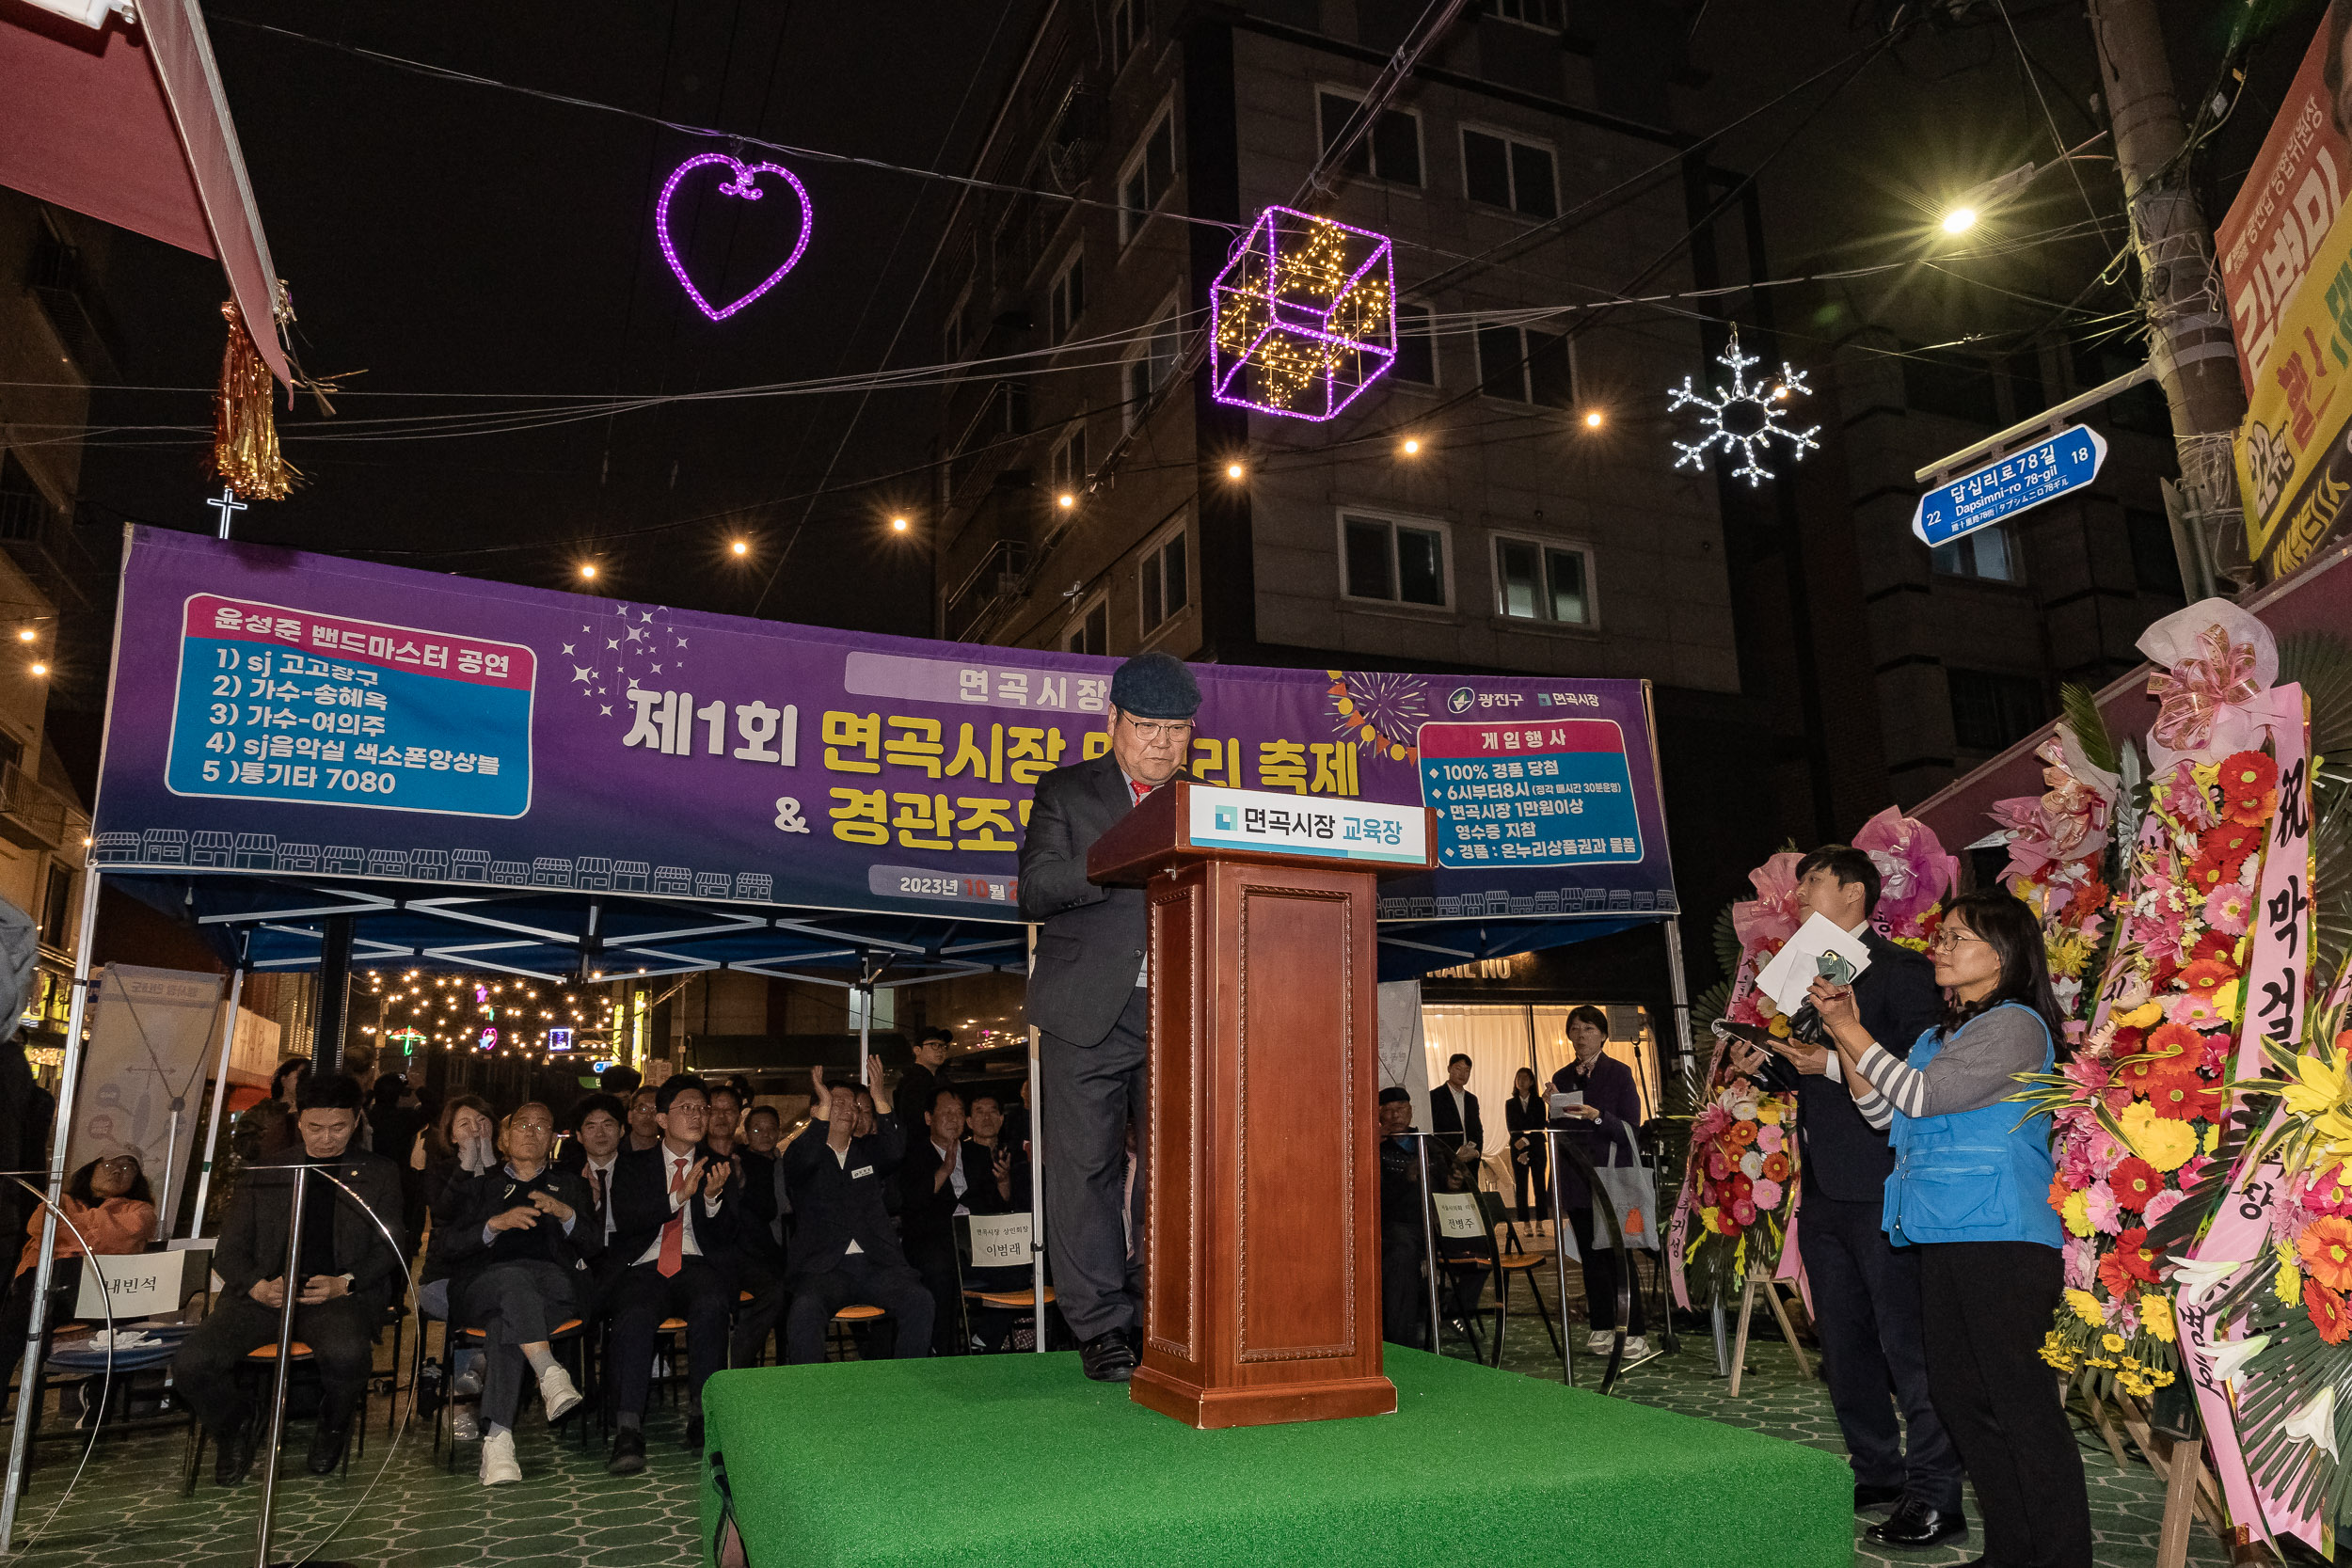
(2190, 346)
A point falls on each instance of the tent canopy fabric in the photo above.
(2319, 598)
(130, 125)
(278, 924)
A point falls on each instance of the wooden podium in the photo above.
(1262, 1268)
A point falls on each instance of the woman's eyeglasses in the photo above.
(1946, 941)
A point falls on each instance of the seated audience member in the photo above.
(344, 1275)
(106, 1209)
(843, 1248)
(673, 1217)
(941, 1177)
(984, 1123)
(517, 1245)
(395, 1116)
(726, 1116)
(264, 1130)
(460, 1145)
(645, 1120)
(592, 1152)
(359, 1065)
(1404, 1290)
(760, 1262)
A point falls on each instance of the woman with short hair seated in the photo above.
(518, 1249)
(107, 1209)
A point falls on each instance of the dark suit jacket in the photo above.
(1447, 1125)
(493, 1192)
(1610, 1089)
(835, 1202)
(641, 1207)
(252, 1243)
(1845, 1158)
(1089, 942)
(928, 1218)
(758, 1234)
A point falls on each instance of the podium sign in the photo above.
(1262, 1258)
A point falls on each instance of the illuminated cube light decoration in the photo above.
(1304, 318)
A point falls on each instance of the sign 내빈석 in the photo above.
(2014, 484)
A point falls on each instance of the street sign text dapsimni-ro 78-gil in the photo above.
(2016, 482)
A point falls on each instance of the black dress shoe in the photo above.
(1107, 1357)
(693, 1438)
(233, 1460)
(327, 1448)
(1867, 1497)
(1915, 1526)
(628, 1453)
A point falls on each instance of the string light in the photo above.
(588, 571)
(741, 548)
(746, 185)
(1742, 417)
(1303, 318)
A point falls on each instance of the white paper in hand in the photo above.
(1792, 970)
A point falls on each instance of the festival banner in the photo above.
(2266, 243)
(151, 1034)
(280, 712)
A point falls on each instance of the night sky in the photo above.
(453, 240)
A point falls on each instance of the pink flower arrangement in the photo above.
(2198, 1009)
(1914, 873)
(1770, 1140)
(2099, 1202)
(1768, 1195)
(2229, 909)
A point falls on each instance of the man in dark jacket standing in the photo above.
(843, 1248)
(1866, 1290)
(1089, 998)
(344, 1275)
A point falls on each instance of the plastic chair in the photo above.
(1007, 1236)
(265, 1360)
(849, 1318)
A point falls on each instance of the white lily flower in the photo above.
(2230, 1357)
(2315, 1422)
(2196, 1277)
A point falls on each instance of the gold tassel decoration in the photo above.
(244, 430)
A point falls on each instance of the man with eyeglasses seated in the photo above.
(344, 1274)
(1089, 996)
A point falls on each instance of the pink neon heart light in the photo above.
(744, 185)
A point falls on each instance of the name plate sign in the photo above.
(1303, 825)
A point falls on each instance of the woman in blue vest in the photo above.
(1970, 1191)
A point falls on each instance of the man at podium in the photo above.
(1087, 997)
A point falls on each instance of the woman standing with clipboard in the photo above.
(1968, 1192)
(1595, 1100)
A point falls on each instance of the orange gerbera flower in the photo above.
(2216, 945)
(2229, 842)
(2248, 784)
(2326, 1312)
(2185, 1096)
(2207, 975)
(1742, 1132)
(2327, 1249)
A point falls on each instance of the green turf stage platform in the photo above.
(1009, 1461)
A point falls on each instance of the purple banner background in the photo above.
(850, 771)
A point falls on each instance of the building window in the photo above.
(2155, 564)
(1520, 364)
(1392, 560)
(1990, 712)
(1068, 466)
(1416, 347)
(1067, 301)
(1952, 384)
(1091, 633)
(1391, 152)
(1148, 174)
(54, 904)
(1989, 553)
(1502, 171)
(1124, 31)
(1549, 15)
(1164, 587)
(1540, 580)
(1151, 366)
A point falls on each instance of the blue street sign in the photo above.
(2017, 482)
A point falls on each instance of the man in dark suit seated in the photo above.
(1453, 1115)
(1089, 997)
(1865, 1289)
(760, 1257)
(673, 1220)
(344, 1275)
(843, 1249)
(941, 1177)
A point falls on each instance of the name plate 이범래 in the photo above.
(1343, 828)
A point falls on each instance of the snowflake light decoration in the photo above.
(1742, 417)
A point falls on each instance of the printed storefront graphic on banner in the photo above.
(285, 713)
(2265, 242)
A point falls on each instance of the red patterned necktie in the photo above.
(673, 1234)
(1140, 788)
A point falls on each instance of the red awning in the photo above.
(128, 123)
(2318, 598)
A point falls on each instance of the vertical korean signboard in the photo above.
(2286, 269)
